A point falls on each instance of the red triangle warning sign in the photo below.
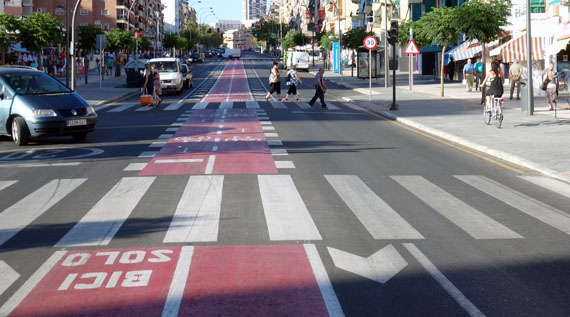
(412, 48)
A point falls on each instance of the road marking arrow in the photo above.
(7, 276)
(380, 266)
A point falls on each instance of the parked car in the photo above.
(197, 57)
(170, 70)
(187, 76)
(34, 104)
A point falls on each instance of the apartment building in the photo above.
(225, 25)
(173, 15)
(17, 7)
(253, 9)
(239, 38)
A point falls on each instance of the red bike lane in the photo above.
(218, 141)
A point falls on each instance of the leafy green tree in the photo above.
(8, 25)
(483, 21)
(440, 27)
(170, 41)
(419, 35)
(88, 37)
(118, 39)
(354, 38)
(144, 43)
(182, 43)
(40, 30)
(327, 39)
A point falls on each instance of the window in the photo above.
(537, 6)
(83, 24)
(83, 12)
(105, 12)
(105, 27)
(97, 22)
(42, 10)
(59, 11)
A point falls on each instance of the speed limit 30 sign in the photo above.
(370, 42)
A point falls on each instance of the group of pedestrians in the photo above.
(293, 80)
(152, 84)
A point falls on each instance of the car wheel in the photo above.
(191, 84)
(79, 136)
(180, 90)
(20, 132)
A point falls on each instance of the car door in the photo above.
(6, 99)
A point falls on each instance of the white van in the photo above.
(170, 70)
(236, 53)
(227, 53)
(299, 59)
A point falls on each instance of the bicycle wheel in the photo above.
(486, 115)
(499, 119)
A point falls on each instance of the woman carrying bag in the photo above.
(148, 87)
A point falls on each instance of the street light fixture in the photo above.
(129, 15)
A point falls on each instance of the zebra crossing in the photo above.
(226, 105)
(200, 209)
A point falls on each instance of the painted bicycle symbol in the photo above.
(186, 139)
(236, 138)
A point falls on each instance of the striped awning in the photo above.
(465, 50)
(515, 49)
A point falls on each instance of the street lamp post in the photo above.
(72, 50)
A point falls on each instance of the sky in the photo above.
(224, 9)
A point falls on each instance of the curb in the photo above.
(115, 98)
(475, 146)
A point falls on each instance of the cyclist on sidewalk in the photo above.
(496, 78)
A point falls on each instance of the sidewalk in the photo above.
(537, 142)
(98, 92)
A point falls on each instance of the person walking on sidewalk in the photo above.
(157, 88)
(292, 80)
(274, 82)
(468, 71)
(478, 67)
(549, 78)
(515, 73)
(320, 88)
(497, 79)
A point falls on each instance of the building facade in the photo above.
(239, 38)
(18, 7)
(226, 25)
(253, 9)
(173, 16)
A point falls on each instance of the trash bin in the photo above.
(135, 73)
(524, 96)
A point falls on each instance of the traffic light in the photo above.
(253, 26)
(393, 34)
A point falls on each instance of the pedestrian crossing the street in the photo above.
(293, 105)
(202, 207)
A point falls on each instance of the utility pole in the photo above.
(72, 47)
(530, 94)
(66, 43)
(386, 60)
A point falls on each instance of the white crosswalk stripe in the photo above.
(24, 212)
(303, 105)
(103, 221)
(332, 106)
(520, 201)
(252, 104)
(471, 220)
(174, 106)
(278, 105)
(122, 108)
(199, 210)
(200, 105)
(226, 105)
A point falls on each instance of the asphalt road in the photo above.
(310, 212)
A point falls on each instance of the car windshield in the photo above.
(33, 83)
(165, 67)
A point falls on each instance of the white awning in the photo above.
(465, 50)
(556, 47)
(515, 49)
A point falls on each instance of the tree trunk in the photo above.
(442, 65)
(484, 61)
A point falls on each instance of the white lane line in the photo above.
(18, 216)
(381, 221)
(197, 215)
(226, 104)
(122, 108)
(325, 286)
(285, 212)
(218, 132)
(251, 104)
(103, 221)
(7, 276)
(176, 291)
(266, 128)
(266, 123)
(471, 220)
(328, 113)
(178, 161)
(144, 108)
(135, 167)
(157, 144)
(165, 136)
(148, 154)
(182, 119)
(40, 164)
(177, 124)
(530, 206)
(171, 129)
(220, 126)
(31, 283)
(271, 135)
(278, 105)
(174, 106)
(551, 184)
(6, 184)
(274, 142)
(279, 152)
(200, 105)
(445, 283)
(210, 164)
(284, 164)
(304, 105)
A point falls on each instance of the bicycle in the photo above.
(496, 112)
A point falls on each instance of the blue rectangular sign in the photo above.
(336, 57)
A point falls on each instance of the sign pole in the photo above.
(370, 75)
